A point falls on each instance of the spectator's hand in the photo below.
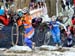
(50, 27)
(8, 16)
(67, 32)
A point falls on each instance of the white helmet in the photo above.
(19, 10)
(25, 10)
(12, 5)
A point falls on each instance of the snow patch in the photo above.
(46, 47)
(20, 48)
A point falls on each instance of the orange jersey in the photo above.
(19, 22)
(25, 20)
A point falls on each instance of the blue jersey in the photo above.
(55, 27)
(2, 11)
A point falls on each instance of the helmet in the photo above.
(25, 10)
(19, 12)
(12, 6)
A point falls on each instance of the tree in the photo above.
(51, 6)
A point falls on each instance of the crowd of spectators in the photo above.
(36, 5)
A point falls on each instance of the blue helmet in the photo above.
(20, 12)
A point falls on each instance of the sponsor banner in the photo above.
(36, 12)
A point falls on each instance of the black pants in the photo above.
(69, 40)
(67, 3)
(74, 10)
(63, 6)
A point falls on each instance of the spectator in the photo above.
(44, 9)
(73, 20)
(2, 11)
(63, 5)
(71, 2)
(31, 6)
(39, 4)
(35, 6)
(74, 2)
(74, 5)
(3, 17)
(36, 22)
(69, 37)
(68, 3)
(42, 4)
(60, 19)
